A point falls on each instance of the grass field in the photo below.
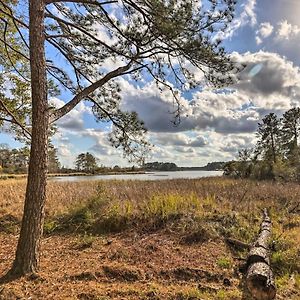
(152, 239)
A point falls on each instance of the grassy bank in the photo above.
(153, 239)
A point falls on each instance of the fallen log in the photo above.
(259, 277)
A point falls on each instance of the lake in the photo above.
(146, 176)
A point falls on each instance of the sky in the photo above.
(264, 35)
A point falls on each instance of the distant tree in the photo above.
(268, 133)
(14, 160)
(214, 166)
(22, 160)
(4, 156)
(160, 166)
(276, 154)
(86, 162)
(90, 163)
(290, 132)
(79, 163)
(241, 168)
(53, 161)
(246, 162)
(231, 168)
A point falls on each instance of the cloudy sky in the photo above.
(265, 35)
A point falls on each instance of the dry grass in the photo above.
(233, 194)
(169, 243)
(61, 196)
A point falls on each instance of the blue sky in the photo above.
(265, 35)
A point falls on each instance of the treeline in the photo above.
(160, 166)
(169, 166)
(214, 166)
(15, 161)
(276, 154)
(88, 163)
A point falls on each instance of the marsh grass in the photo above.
(198, 210)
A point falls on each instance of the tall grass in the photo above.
(198, 210)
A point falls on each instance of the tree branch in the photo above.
(57, 114)
(13, 49)
(11, 15)
(91, 2)
(14, 119)
(8, 55)
(76, 70)
(82, 30)
(15, 20)
(176, 112)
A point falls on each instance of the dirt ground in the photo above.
(131, 266)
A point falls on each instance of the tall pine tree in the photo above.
(157, 39)
(290, 133)
(268, 133)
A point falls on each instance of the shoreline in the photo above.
(21, 176)
(78, 174)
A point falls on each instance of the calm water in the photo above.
(147, 176)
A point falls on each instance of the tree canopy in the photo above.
(86, 162)
(14, 74)
(276, 154)
(102, 40)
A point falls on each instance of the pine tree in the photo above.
(268, 133)
(290, 133)
(146, 39)
(53, 161)
(79, 163)
(86, 162)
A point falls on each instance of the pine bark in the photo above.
(27, 253)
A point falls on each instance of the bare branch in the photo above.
(7, 120)
(54, 36)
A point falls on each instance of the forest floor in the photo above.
(152, 240)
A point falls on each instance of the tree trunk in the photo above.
(259, 278)
(27, 254)
(273, 148)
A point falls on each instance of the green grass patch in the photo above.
(224, 262)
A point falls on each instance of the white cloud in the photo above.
(271, 81)
(246, 17)
(287, 30)
(178, 139)
(264, 31)
(73, 121)
(214, 124)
